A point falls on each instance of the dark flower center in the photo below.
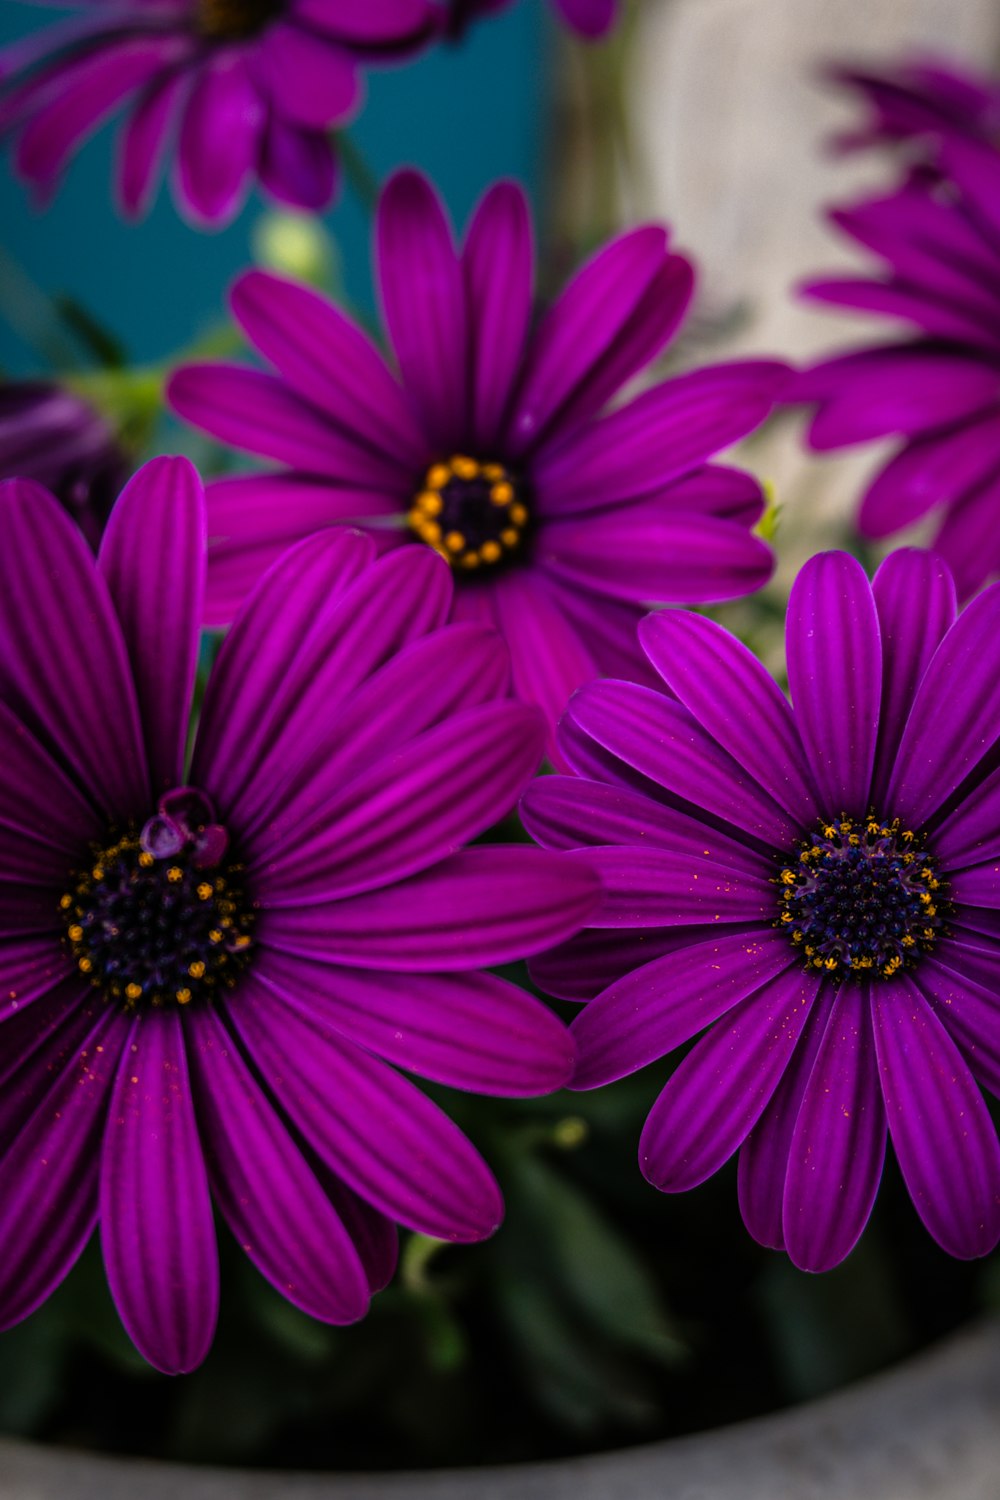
(234, 20)
(161, 916)
(473, 513)
(862, 896)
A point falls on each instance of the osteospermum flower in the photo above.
(938, 389)
(48, 434)
(211, 971)
(556, 523)
(590, 18)
(815, 888)
(249, 88)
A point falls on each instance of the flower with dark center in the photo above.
(935, 390)
(589, 18)
(51, 435)
(814, 887)
(213, 968)
(248, 89)
(559, 523)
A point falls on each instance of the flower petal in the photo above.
(728, 691)
(374, 1129)
(718, 1093)
(838, 1144)
(156, 1215)
(482, 907)
(940, 1127)
(85, 713)
(298, 166)
(153, 560)
(835, 677)
(219, 138)
(143, 141)
(549, 661)
(498, 262)
(666, 888)
(935, 469)
(308, 79)
(272, 1201)
(652, 1010)
(469, 1031)
(955, 718)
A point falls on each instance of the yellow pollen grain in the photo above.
(463, 467)
(183, 996)
(65, 902)
(97, 873)
(204, 891)
(215, 936)
(430, 531)
(469, 561)
(75, 933)
(454, 541)
(133, 991)
(197, 969)
(174, 874)
(430, 502)
(491, 552)
(502, 493)
(493, 472)
(146, 860)
(510, 536)
(85, 965)
(519, 514)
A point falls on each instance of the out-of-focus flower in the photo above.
(937, 390)
(557, 522)
(919, 101)
(590, 18)
(50, 435)
(211, 970)
(249, 89)
(816, 888)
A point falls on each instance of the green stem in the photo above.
(358, 173)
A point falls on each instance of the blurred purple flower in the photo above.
(939, 390)
(211, 973)
(919, 101)
(558, 524)
(249, 88)
(816, 888)
(591, 18)
(54, 437)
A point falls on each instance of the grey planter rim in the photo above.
(926, 1429)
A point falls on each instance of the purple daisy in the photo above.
(919, 100)
(938, 390)
(212, 969)
(54, 437)
(556, 522)
(249, 88)
(816, 888)
(590, 18)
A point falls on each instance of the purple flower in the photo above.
(249, 88)
(50, 435)
(816, 889)
(591, 18)
(556, 523)
(213, 968)
(920, 101)
(937, 390)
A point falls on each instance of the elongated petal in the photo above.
(835, 677)
(580, 968)
(652, 1010)
(663, 741)
(331, 363)
(838, 1144)
(143, 141)
(308, 79)
(549, 660)
(591, 18)
(904, 390)
(497, 261)
(660, 436)
(915, 599)
(955, 716)
(482, 907)
(156, 1216)
(664, 888)
(650, 551)
(39, 804)
(724, 685)
(763, 1162)
(153, 559)
(219, 138)
(969, 1011)
(414, 806)
(48, 1174)
(298, 166)
(935, 469)
(971, 834)
(382, 24)
(471, 1031)
(967, 538)
(423, 298)
(271, 1199)
(940, 1127)
(376, 1130)
(84, 713)
(566, 812)
(260, 413)
(721, 1088)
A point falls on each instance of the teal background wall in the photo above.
(464, 114)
